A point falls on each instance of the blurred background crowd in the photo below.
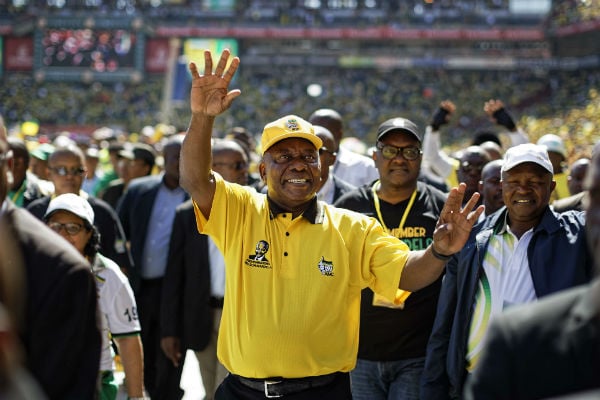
(549, 86)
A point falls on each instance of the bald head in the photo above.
(331, 120)
(577, 174)
(230, 161)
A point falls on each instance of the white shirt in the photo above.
(354, 168)
(217, 270)
(327, 191)
(117, 307)
(505, 281)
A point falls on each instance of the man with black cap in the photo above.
(519, 254)
(135, 161)
(290, 320)
(393, 334)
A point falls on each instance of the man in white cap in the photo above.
(516, 256)
(551, 348)
(290, 319)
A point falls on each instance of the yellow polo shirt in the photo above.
(562, 187)
(294, 309)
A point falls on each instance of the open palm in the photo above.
(209, 94)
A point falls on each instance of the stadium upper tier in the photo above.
(290, 12)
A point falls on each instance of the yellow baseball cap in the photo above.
(290, 126)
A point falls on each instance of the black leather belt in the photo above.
(215, 302)
(279, 387)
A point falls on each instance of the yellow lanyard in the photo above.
(376, 186)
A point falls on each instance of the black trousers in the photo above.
(339, 389)
(161, 378)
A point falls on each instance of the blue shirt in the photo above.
(160, 225)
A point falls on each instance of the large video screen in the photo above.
(101, 50)
(88, 53)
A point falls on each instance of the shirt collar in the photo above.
(313, 213)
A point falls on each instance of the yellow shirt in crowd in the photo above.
(292, 296)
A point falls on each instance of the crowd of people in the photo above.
(565, 102)
(440, 243)
(572, 12)
(288, 11)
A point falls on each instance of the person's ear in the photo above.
(262, 171)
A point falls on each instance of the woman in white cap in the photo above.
(72, 217)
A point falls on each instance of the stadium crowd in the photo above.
(541, 100)
(110, 150)
(146, 201)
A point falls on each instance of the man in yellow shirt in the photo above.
(290, 320)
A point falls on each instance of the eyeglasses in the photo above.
(71, 228)
(64, 171)
(390, 152)
(237, 166)
(326, 150)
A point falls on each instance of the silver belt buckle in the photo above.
(267, 394)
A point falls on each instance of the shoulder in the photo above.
(353, 196)
(108, 269)
(39, 204)
(100, 205)
(348, 217)
(343, 185)
(432, 192)
(144, 183)
(41, 247)
(537, 318)
(572, 220)
(574, 202)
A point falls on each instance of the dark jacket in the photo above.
(340, 187)
(113, 193)
(185, 312)
(542, 350)
(32, 190)
(558, 259)
(134, 210)
(60, 331)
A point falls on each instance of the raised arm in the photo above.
(440, 162)
(450, 235)
(498, 114)
(209, 97)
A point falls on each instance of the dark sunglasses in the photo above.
(71, 228)
(64, 171)
(390, 152)
(237, 166)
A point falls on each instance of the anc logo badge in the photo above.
(326, 267)
(292, 124)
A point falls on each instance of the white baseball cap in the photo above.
(553, 143)
(72, 203)
(527, 152)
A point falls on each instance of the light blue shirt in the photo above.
(160, 225)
